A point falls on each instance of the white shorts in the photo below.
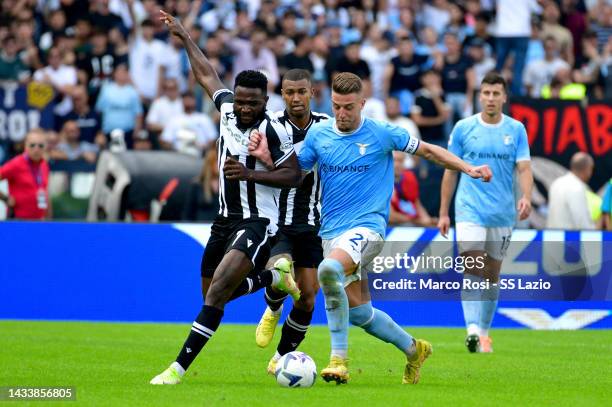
(493, 240)
(362, 244)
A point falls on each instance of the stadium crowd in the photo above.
(121, 78)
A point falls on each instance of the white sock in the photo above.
(179, 369)
(277, 312)
(275, 277)
(484, 332)
(276, 356)
(473, 329)
(339, 352)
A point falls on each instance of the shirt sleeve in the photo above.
(222, 96)
(153, 115)
(401, 140)
(8, 170)
(308, 154)
(279, 143)
(522, 145)
(455, 141)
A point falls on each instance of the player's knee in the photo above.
(307, 300)
(361, 315)
(330, 272)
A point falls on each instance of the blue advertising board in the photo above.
(151, 272)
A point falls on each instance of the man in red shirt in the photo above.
(28, 176)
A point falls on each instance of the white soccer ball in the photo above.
(295, 369)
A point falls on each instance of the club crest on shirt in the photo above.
(362, 148)
(507, 140)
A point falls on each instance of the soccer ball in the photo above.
(295, 369)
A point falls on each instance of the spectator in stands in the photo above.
(55, 26)
(540, 73)
(606, 207)
(88, 121)
(513, 22)
(98, 61)
(120, 106)
(102, 17)
(482, 62)
(403, 74)
(551, 28)
(602, 24)
(202, 202)
(321, 100)
(394, 116)
(437, 15)
(378, 52)
(147, 61)
(28, 177)
(430, 112)
(62, 77)
(12, 66)
(481, 34)
(457, 24)
(406, 207)
(299, 58)
(192, 132)
(567, 197)
(374, 108)
(72, 148)
(588, 63)
(253, 54)
(352, 62)
(166, 107)
(458, 80)
(606, 71)
(562, 87)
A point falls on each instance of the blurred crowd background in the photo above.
(120, 81)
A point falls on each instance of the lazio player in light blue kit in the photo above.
(354, 159)
(486, 213)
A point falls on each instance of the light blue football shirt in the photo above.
(501, 146)
(356, 172)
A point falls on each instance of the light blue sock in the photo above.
(488, 305)
(331, 278)
(470, 301)
(380, 325)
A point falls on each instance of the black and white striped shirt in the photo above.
(245, 199)
(300, 207)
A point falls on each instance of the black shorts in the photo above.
(250, 236)
(304, 246)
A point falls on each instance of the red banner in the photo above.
(557, 129)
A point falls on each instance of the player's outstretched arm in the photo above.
(450, 161)
(285, 175)
(203, 71)
(449, 183)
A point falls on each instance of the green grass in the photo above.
(111, 365)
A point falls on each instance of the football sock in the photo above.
(331, 279)
(380, 325)
(294, 330)
(254, 282)
(488, 305)
(470, 301)
(202, 330)
(274, 299)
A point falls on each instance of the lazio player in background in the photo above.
(486, 213)
(353, 156)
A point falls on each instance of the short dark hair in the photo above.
(252, 79)
(297, 75)
(493, 78)
(346, 83)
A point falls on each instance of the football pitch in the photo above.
(110, 364)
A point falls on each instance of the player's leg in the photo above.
(471, 241)
(498, 240)
(274, 298)
(233, 268)
(378, 323)
(308, 255)
(331, 275)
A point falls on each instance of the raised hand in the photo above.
(174, 25)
